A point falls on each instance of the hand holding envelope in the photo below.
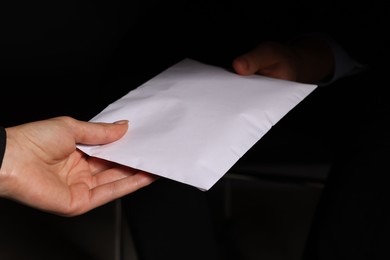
(192, 122)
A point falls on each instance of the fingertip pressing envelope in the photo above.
(192, 122)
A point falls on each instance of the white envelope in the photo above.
(192, 122)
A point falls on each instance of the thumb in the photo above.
(94, 133)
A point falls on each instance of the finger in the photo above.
(105, 193)
(253, 62)
(242, 65)
(97, 133)
(114, 174)
(97, 165)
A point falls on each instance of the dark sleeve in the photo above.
(358, 28)
(3, 140)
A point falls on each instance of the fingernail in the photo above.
(121, 122)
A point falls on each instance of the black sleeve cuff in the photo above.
(3, 139)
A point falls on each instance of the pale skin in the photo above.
(306, 60)
(43, 168)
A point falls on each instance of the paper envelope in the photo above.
(192, 122)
